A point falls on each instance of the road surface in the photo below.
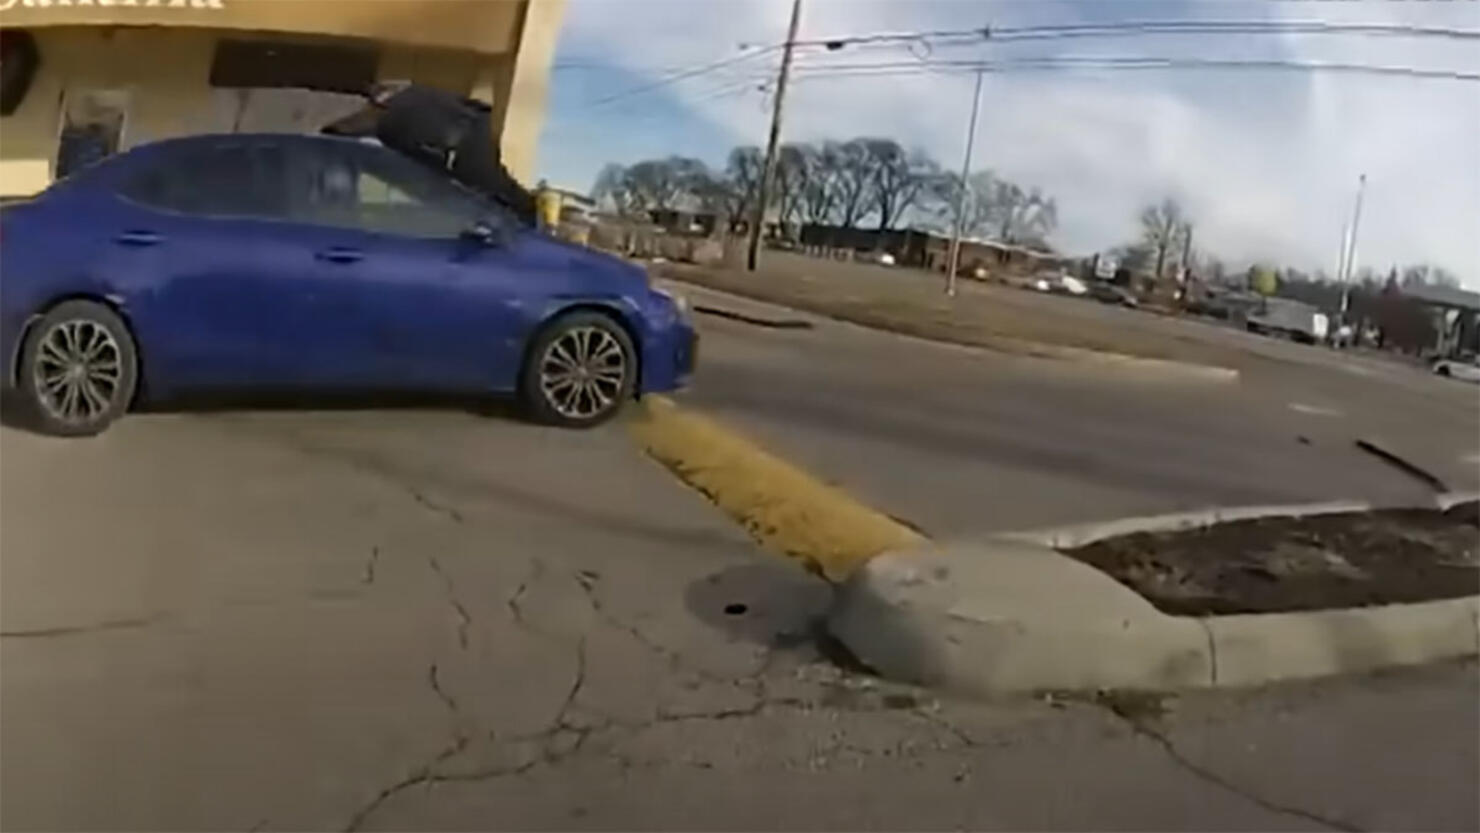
(960, 441)
(412, 619)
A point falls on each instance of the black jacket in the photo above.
(448, 132)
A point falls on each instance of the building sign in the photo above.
(483, 26)
(7, 5)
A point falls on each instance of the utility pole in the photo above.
(1351, 247)
(768, 170)
(954, 261)
(1341, 255)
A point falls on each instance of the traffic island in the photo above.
(1034, 611)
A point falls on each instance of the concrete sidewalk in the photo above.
(411, 620)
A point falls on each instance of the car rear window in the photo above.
(234, 180)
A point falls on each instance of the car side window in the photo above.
(233, 180)
(370, 189)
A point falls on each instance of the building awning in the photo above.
(486, 26)
(1445, 296)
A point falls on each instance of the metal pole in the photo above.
(1341, 255)
(768, 170)
(954, 260)
(1351, 246)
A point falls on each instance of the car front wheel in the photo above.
(78, 369)
(579, 371)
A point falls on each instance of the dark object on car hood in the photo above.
(446, 131)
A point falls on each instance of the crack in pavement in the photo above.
(516, 612)
(464, 619)
(368, 577)
(1140, 727)
(78, 630)
(588, 579)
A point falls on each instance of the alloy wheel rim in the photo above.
(582, 372)
(78, 370)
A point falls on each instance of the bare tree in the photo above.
(820, 190)
(611, 189)
(855, 182)
(899, 178)
(1162, 229)
(743, 174)
(791, 180)
(1423, 274)
(1021, 216)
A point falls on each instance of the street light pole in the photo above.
(1351, 247)
(954, 260)
(768, 170)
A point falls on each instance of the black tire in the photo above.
(106, 355)
(1443, 370)
(605, 390)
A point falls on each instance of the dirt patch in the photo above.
(1271, 565)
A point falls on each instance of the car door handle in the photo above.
(138, 238)
(341, 255)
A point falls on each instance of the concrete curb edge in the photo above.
(1010, 613)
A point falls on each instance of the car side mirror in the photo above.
(482, 233)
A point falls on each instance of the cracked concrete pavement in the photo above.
(409, 619)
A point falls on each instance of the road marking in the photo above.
(1314, 410)
(1472, 459)
(786, 509)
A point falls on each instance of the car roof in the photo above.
(177, 142)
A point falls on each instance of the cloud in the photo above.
(1266, 161)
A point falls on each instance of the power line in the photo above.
(1119, 62)
(987, 34)
(684, 74)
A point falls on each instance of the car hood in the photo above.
(585, 261)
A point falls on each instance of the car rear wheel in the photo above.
(1442, 370)
(78, 370)
(579, 371)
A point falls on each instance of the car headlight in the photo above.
(678, 300)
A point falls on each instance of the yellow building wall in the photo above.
(166, 72)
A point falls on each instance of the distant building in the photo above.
(929, 250)
(1456, 318)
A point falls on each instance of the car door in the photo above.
(415, 303)
(205, 229)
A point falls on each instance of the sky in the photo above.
(1265, 162)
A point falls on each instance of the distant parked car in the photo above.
(1059, 282)
(1109, 293)
(1467, 369)
(313, 263)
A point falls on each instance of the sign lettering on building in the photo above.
(6, 5)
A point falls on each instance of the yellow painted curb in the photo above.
(783, 507)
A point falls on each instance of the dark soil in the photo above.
(1270, 565)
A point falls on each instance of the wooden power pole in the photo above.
(768, 170)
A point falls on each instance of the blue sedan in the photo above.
(310, 263)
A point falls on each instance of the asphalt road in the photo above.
(403, 618)
(962, 441)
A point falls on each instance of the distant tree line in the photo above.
(861, 182)
(1374, 300)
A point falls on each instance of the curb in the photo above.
(999, 344)
(784, 508)
(1012, 614)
